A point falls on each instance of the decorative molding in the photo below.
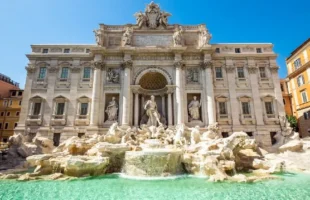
(252, 69)
(179, 64)
(127, 64)
(206, 64)
(30, 68)
(99, 64)
(75, 69)
(53, 69)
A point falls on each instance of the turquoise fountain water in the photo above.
(293, 186)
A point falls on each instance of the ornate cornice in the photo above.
(99, 64)
(179, 64)
(127, 64)
(206, 64)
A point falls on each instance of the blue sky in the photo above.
(23, 22)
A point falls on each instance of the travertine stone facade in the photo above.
(69, 87)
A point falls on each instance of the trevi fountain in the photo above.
(160, 156)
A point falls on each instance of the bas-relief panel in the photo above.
(152, 40)
(115, 41)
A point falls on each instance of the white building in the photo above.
(68, 87)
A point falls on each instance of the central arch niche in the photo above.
(153, 81)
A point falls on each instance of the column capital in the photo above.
(274, 68)
(98, 64)
(170, 89)
(206, 64)
(179, 64)
(30, 68)
(127, 64)
(252, 69)
(135, 89)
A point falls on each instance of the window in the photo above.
(86, 74)
(8, 114)
(81, 135)
(250, 134)
(240, 72)
(222, 106)
(269, 108)
(5, 140)
(11, 102)
(282, 88)
(218, 72)
(217, 50)
(60, 108)
(259, 50)
(56, 139)
(20, 103)
(225, 134)
(2, 114)
(42, 72)
(237, 50)
(300, 80)
(272, 137)
(304, 96)
(0, 125)
(84, 109)
(20, 93)
(15, 125)
(245, 108)
(297, 63)
(307, 115)
(5, 103)
(87, 50)
(36, 108)
(284, 101)
(14, 93)
(45, 51)
(66, 50)
(17, 113)
(6, 125)
(262, 72)
(64, 73)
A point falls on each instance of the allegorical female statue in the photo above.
(112, 110)
(152, 113)
(178, 37)
(193, 109)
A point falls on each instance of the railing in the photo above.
(8, 80)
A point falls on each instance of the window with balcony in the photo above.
(297, 63)
(82, 115)
(64, 74)
(269, 108)
(304, 96)
(84, 109)
(218, 73)
(240, 71)
(37, 108)
(262, 72)
(300, 80)
(35, 111)
(60, 108)
(223, 108)
(86, 73)
(42, 73)
(246, 108)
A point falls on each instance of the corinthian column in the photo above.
(207, 65)
(169, 108)
(98, 65)
(127, 65)
(179, 65)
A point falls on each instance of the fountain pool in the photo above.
(293, 186)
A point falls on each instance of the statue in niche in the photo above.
(112, 76)
(127, 37)
(193, 76)
(111, 110)
(205, 36)
(178, 36)
(152, 113)
(193, 109)
(98, 36)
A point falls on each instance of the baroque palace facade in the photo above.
(72, 90)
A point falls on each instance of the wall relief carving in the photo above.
(113, 75)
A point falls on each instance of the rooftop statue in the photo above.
(152, 17)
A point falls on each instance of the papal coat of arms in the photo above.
(152, 17)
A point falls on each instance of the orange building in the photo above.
(10, 105)
(286, 97)
(298, 80)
